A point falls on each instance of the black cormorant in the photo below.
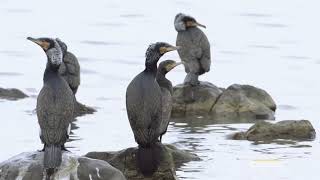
(55, 106)
(195, 48)
(70, 68)
(166, 90)
(144, 109)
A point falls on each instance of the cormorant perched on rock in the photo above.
(70, 68)
(55, 106)
(144, 109)
(166, 90)
(195, 48)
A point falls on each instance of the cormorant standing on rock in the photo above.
(195, 47)
(166, 90)
(55, 106)
(70, 68)
(144, 109)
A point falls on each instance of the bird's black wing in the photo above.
(70, 70)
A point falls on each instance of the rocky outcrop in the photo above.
(125, 161)
(12, 94)
(194, 100)
(289, 129)
(237, 102)
(28, 166)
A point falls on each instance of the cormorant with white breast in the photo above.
(144, 109)
(166, 90)
(70, 68)
(195, 48)
(55, 106)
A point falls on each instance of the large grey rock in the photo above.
(125, 161)
(11, 94)
(289, 129)
(237, 103)
(194, 100)
(243, 102)
(28, 166)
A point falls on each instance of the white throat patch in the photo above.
(55, 54)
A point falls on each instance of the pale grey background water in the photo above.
(267, 43)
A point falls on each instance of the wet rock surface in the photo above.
(194, 100)
(12, 94)
(288, 129)
(125, 161)
(28, 166)
(237, 102)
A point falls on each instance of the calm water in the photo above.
(270, 44)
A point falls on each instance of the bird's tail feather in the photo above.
(149, 158)
(52, 159)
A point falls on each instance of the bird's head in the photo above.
(156, 50)
(167, 65)
(182, 22)
(63, 46)
(52, 49)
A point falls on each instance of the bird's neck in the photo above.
(51, 71)
(151, 63)
(163, 81)
(152, 68)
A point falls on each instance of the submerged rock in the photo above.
(12, 94)
(28, 166)
(237, 102)
(81, 109)
(125, 161)
(289, 129)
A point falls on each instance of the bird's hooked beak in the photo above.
(171, 66)
(168, 49)
(194, 24)
(43, 44)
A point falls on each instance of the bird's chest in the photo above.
(189, 43)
